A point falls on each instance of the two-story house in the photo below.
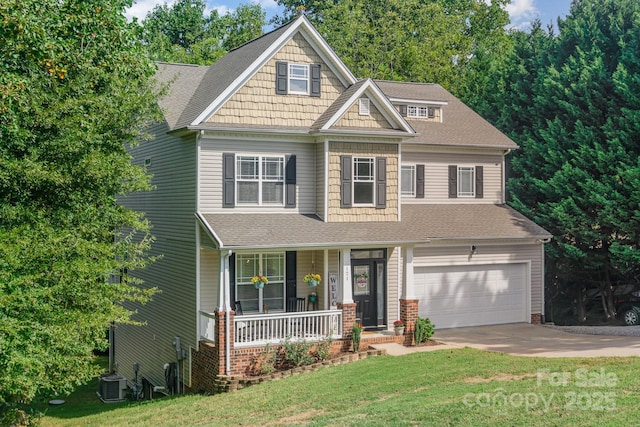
(277, 161)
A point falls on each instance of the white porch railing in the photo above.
(261, 329)
(207, 326)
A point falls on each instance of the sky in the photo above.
(522, 12)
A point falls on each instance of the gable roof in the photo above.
(225, 76)
(183, 80)
(350, 96)
(461, 126)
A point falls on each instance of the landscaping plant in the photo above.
(423, 330)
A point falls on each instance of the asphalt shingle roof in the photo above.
(420, 223)
(461, 126)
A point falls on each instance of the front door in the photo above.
(369, 290)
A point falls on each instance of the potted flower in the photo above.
(259, 281)
(312, 279)
(313, 297)
(398, 327)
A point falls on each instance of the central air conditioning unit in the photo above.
(112, 388)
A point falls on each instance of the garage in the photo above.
(472, 295)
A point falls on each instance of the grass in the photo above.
(447, 387)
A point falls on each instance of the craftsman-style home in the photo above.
(276, 161)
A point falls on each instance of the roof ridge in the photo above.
(263, 35)
(407, 83)
(182, 64)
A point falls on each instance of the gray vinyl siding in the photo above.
(211, 173)
(436, 175)
(170, 209)
(495, 253)
(209, 279)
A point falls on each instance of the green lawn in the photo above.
(446, 387)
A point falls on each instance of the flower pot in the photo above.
(399, 331)
(313, 282)
(259, 285)
(312, 298)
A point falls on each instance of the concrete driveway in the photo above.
(524, 339)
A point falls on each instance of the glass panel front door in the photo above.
(369, 288)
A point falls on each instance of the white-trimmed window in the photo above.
(271, 265)
(466, 181)
(260, 180)
(408, 180)
(421, 112)
(363, 180)
(299, 79)
(364, 107)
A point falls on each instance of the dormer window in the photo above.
(298, 79)
(421, 112)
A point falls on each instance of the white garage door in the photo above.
(472, 295)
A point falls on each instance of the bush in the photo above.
(356, 331)
(297, 352)
(423, 330)
(323, 348)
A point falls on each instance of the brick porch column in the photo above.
(221, 340)
(409, 314)
(348, 319)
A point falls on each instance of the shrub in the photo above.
(356, 331)
(265, 362)
(297, 352)
(423, 330)
(323, 348)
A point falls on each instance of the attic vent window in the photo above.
(365, 109)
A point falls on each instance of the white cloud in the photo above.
(520, 10)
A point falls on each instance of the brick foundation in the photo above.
(536, 319)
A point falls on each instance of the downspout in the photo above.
(227, 308)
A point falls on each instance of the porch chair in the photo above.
(237, 307)
(296, 304)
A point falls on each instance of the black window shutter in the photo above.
(345, 182)
(315, 79)
(282, 73)
(479, 182)
(228, 175)
(420, 181)
(453, 181)
(291, 272)
(381, 182)
(290, 181)
(403, 110)
(232, 278)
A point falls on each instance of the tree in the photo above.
(409, 40)
(75, 90)
(570, 101)
(183, 33)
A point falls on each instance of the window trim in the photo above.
(370, 179)
(290, 77)
(472, 179)
(260, 178)
(421, 111)
(403, 193)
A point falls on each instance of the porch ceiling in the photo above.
(420, 224)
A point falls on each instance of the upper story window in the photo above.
(258, 180)
(408, 180)
(432, 113)
(298, 79)
(363, 180)
(421, 112)
(466, 181)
